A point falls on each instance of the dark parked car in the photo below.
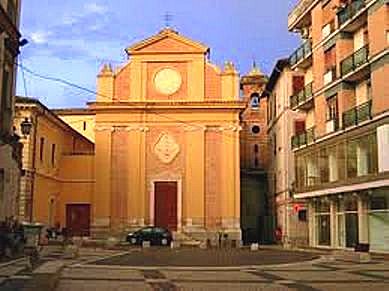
(155, 235)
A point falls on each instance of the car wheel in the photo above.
(164, 242)
(133, 241)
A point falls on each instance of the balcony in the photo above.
(303, 99)
(304, 138)
(354, 61)
(302, 56)
(299, 14)
(357, 114)
(349, 12)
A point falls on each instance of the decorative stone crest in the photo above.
(166, 148)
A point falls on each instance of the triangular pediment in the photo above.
(167, 41)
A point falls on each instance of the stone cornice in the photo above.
(214, 104)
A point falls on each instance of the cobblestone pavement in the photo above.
(319, 274)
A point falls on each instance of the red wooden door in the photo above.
(166, 205)
(78, 219)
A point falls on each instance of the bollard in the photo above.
(145, 244)
(254, 247)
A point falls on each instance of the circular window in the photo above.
(167, 81)
(255, 129)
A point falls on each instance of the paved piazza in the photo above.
(112, 271)
(319, 274)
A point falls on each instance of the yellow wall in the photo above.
(76, 121)
(68, 175)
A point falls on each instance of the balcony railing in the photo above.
(302, 96)
(301, 53)
(304, 138)
(350, 11)
(357, 114)
(355, 60)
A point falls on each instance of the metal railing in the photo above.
(302, 52)
(302, 96)
(350, 11)
(355, 60)
(304, 138)
(357, 114)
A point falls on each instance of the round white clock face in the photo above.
(167, 81)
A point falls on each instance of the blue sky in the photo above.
(71, 39)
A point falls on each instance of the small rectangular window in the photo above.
(41, 148)
(84, 125)
(53, 154)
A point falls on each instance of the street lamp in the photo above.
(25, 127)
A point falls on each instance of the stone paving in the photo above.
(314, 275)
(92, 271)
(317, 274)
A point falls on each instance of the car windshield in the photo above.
(159, 230)
(147, 230)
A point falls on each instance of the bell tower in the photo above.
(256, 219)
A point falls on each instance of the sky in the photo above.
(71, 39)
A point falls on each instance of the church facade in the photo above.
(167, 141)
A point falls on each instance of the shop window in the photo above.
(379, 220)
(347, 220)
(302, 215)
(323, 225)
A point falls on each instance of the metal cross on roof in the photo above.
(168, 18)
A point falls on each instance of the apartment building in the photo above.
(341, 156)
(291, 214)
(10, 148)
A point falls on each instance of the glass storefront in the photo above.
(347, 219)
(379, 220)
(323, 223)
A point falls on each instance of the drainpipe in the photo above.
(33, 165)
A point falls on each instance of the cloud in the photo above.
(94, 8)
(40, 36)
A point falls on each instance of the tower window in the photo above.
(84, 125)
(256, 148)
(255, 129)
(256, 162)
(254, 100)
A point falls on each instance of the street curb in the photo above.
(197, 268)
(12, 262)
